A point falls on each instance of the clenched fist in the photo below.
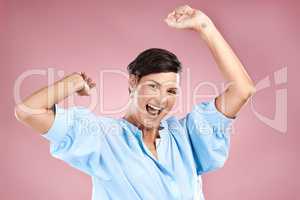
(185, 17)
(88, 85)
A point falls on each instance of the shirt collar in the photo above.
(137, 131)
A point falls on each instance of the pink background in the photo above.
(94, 35)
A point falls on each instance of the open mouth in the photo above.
(153, 110)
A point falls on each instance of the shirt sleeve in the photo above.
(76, 137)
(208, 131)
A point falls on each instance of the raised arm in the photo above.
(37, 111)
(241, 87)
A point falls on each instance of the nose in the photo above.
(161, 99)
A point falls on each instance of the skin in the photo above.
(241, 87)
(159, 89)
(230, 102)
(36, 110)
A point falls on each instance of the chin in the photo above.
(152, 122)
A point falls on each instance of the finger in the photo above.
(180, 9)
(92, 85)
(83, 76)
(190, 11)
(185, 9)
(181, 18)
(177, 15)
(170, 22)
(89, 80)
(188, 8)
(171, 17)
(171, 14)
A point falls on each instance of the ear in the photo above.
(132, 82)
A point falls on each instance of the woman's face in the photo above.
(153, 96)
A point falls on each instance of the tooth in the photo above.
(154, 107)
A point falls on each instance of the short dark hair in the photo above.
(154, 60)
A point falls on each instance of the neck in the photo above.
(149, 134)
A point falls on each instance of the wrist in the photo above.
(207, 30)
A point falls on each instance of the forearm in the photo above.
(241, 87)
(227, 61)
(44, 99)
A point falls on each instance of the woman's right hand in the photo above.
(88, 85)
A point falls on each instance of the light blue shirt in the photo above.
(113, 153)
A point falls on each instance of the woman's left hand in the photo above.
(185, 17)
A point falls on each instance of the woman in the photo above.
(142, 155)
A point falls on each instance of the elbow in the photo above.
(247, 92)
(242, 90)
(20, 112)
(24, 113)
(251, 91)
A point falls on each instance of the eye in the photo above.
(174, 92)
(154, 86)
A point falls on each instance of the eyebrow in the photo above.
(160, 84)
